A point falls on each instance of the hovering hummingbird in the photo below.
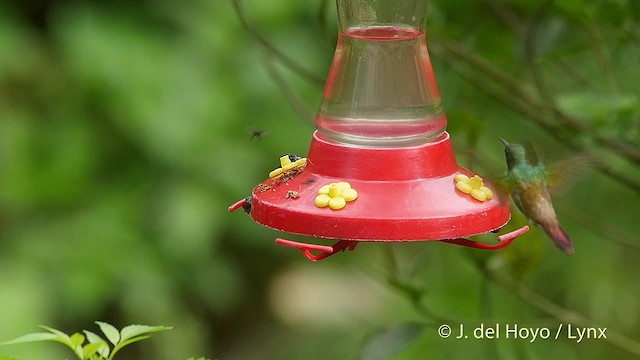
(530, 191)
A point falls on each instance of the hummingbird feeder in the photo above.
(381, 166)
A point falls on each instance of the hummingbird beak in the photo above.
(504, 142)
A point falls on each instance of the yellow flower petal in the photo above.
(334, 190)
(276, 172)
(343, 185)
(487, 192)
(337, 203)
(322, 200)
(324, 190)
(349, 194)
(478, 195)
(476, 182)
(461, 177)
(284, 160)
(464, 186)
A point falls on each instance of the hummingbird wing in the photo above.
(532, 152)
(563, 174)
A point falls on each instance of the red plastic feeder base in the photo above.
(404, 194)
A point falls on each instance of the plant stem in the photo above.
(271, 49)
(560, 313)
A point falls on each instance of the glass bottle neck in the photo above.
(381, 90)
(400, 14)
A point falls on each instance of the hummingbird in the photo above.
(530, 192)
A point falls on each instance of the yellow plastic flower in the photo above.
(335, 195)
(286, 164)
(473, 186)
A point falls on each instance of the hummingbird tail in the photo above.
(560, 237)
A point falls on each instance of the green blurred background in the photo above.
(126, 130)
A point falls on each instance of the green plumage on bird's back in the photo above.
(525, 173)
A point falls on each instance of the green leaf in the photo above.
(93, 338)
(112, 334)
(52, 335)
(135, 330)
(77, 339)
(32, 338)
(61, 337)
(132, 340)
(89, 350)
(127, 342)
(54, 331)
(3, 357)
(134, 333)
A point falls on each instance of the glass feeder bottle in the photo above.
(381, 90)
(381, 130)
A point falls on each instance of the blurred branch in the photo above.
(602, 53)
(290, 95)
(562, 314)
(272, 50)
(631, 153)
(628, 151)
(322, 17)
(632, 35)
(509, 91)
(531, 52)
(411, 292)
(600, 228)
(578, 79)
(505, 14)
(322, 14)
(415, 295)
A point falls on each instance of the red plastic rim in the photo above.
(404, 194)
